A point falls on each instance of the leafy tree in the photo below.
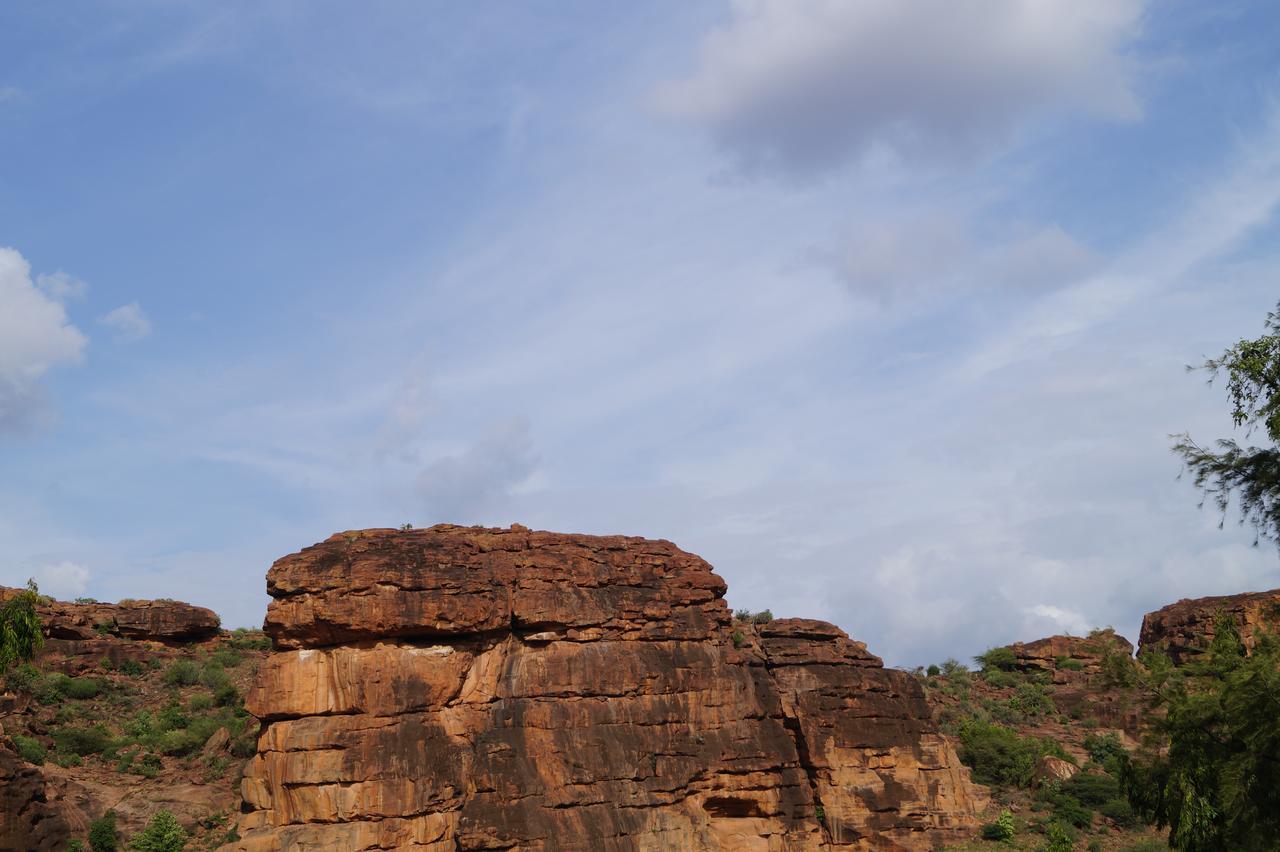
(20, 631)
(1212, 772)
(1252, 369)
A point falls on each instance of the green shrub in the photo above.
(764, 616)
(1001, 829)
(934, 670)
(75, 845)
(1105, 750)
(132, 668)
(1091, 788)
(738, 639)
(999, 756)
(1118, 811)
(1058, 838)
(82, 688)
(182, 673)
(171, 718)
(149, 766)
(30, 749)
(1069, 810)
(162, 834)
(1071, 665)
(1000, 678)
(250, 640)
(228, 658)
(83, 741)
(102, 833)
(22, 678)
(997, 658)
(66, 761)
(200, 703)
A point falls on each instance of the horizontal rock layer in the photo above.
(1184, 629)
(477, 689)
(158, 620)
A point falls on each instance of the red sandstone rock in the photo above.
(474, 689)
(1184, 629)
(28, 820)
(160, 620)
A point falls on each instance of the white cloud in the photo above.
(1061, 619)
(128, 322)
(888, 260)
(805, 85)
(64, 580)
(61, 287)
(35, 337)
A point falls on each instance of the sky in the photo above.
(883, 307)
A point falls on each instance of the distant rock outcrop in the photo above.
(1061, 655)
(1184, 629)
(481, 689)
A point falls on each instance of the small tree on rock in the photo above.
(21, 635)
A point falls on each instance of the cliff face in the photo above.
(1184, 629)
(468, 689)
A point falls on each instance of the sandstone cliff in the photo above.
(1184, 629)
(481, 689)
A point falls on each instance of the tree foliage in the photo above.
(1211, 772)
(21, 634)
(1224, 469)
(162, 834)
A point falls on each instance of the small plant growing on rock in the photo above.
(764, 616)
(933, 671)
(738, 639)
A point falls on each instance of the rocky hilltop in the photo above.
(482, 689)
(1184, 629)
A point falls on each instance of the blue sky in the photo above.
(881, 306)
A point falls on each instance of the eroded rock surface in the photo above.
(478, 689)
(1184, 629)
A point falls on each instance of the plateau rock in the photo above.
(1185, 629)
(481, 689)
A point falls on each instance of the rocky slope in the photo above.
(101, 724)
(481, 689)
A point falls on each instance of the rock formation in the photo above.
(481, 689)
(28, 820)
(1184, 629)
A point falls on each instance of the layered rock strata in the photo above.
(1186, 628)
(478, 689)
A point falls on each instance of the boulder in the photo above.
(1052, 770)
(464, 689)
